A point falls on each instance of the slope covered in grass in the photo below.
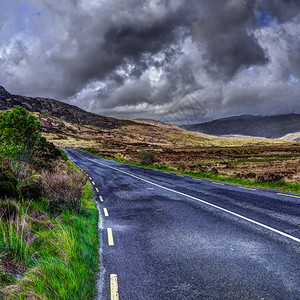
(48, 218)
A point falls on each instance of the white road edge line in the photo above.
(202, 201)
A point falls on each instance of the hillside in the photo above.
(261, 126)
(238, 156)
(160, 124)
(69, 126)
(59, 110)
(234, 156)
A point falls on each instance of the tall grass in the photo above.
(56, 257)
(66, 256)
(16, 247)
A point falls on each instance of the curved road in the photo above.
(166, 236)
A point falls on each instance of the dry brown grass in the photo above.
(233, 155)
(64, 185)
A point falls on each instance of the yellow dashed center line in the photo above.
(197, 179)
(114, 294)
(100, 198)
(90, 178)
(93, 182)
(218, 183)
(245, 188)
(97, 190)
(105, 212)
(110, 237)
(288, 195)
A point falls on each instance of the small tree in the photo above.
(20, 137)
(147, 157)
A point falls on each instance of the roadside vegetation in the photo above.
(48, 218)
(246, 160)
(215, 163)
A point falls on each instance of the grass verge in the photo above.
(62, 259)
(278, 185)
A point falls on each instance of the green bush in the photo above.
(147, 157)
(7, 176)
(215, 171)
(8, 185)
(7, 190)
(31, 191)
(20, 140)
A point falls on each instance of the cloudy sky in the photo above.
(182, 61)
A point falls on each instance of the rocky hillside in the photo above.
(60, 110)
(261, 126)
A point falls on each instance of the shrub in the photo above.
(274, 177)
(250, 175)
(5, 175)
(8, 185)
(64, 186)
(261, 178)
(31, 191)
(147, 157)
(20, 139)
(8, 190)
(214, 170)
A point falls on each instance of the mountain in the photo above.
(160, 124)
(60, 110)
(282, 126)
(261, 126)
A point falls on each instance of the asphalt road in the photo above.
(166, 236)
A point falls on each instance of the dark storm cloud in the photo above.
(105, 43)
(224, 32)
(155, 58)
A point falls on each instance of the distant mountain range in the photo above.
(64, 111)
(280, 126)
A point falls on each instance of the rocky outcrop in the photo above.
(4, 94)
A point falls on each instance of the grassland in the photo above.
(237, 158)
(271, 182)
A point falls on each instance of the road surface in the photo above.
(166, 236)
